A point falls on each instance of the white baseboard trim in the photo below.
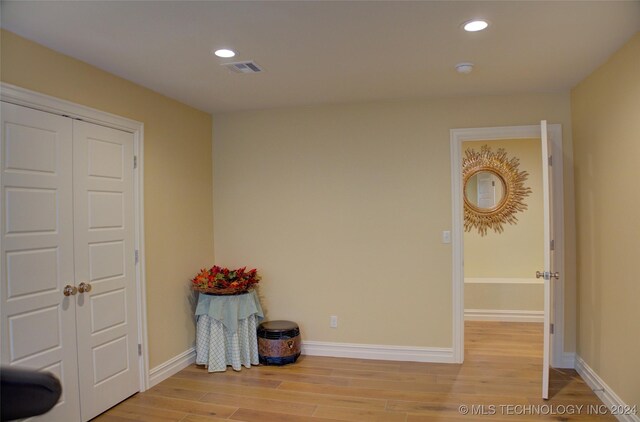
(503, 315)
(493, 280)
(172, 366)
(376, 351)
(603, 391)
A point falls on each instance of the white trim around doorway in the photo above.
(495, 133)
(27, 98)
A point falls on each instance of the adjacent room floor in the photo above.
(502, 371)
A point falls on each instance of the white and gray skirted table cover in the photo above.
(226, 331)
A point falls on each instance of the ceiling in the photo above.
(317, 52)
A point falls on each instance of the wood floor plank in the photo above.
(145, 414)
(275, 376)
(228, 378)
(384, 375)
(448, 412)
(199, 418)
(431, 387)
(384, 394)
(347, 414)
(250, 415)
(502, 367)
(292, 396)
(181, 405)
(111, 418)
(297, 369)
(163, 389)
(342, 363)
(255, 403)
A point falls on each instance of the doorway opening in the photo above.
(503, 300)
(516, 134)
(500, 266)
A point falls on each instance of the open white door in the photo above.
(547, 273)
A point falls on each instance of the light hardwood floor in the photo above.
(502, 368)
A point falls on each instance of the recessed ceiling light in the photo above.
(475, 25)
(225, 53)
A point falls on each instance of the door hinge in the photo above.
(551, 160)
(135, 161)
(137, 256)
(139, 349)
(551, 328)
(553, 244)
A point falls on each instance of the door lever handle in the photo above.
(547, 275)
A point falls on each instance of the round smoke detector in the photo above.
(465, 67)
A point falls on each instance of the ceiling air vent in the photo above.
(243, 67)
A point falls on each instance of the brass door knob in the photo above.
(84, 287)
(69, 290)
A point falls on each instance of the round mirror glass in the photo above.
(485, 190)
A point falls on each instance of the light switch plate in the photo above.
(333, 321)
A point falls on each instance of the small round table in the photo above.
(226, 331)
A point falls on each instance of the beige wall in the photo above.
(504, 297)
(606, 123)
(177, 177)
(517, 252)
(341, 207)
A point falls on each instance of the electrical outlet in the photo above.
(333, 322)
(446, 236)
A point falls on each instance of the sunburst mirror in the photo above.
(494, 189)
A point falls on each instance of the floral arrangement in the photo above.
(223, 281)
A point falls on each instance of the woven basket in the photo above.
(223, 292)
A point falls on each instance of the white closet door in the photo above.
(104, 258)
(38, 321)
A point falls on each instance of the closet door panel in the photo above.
(104, 259)
(38, 322)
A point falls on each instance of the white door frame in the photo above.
(458, 136)
(24, 97)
